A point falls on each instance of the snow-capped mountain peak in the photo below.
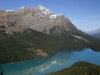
(24, 7)
(14, 10)
(10, 10)
(93, 31)
(40, 7)
(60, 14)
(52, 17)
(99, 28)
(43, 10)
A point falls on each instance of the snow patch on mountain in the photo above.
(93, 31)
(60, 14)
(52, 17)
(10, 10)
(44, 10)
(80, 38)
(23, 7)
(41, 8)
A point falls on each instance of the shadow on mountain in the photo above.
(1, 71)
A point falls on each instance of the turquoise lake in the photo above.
(59, 61)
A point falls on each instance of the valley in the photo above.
(34, 41)
(30, 33)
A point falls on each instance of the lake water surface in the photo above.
(49, 64)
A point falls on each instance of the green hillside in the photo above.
(14, 48)
(79, 68)
(22, 46)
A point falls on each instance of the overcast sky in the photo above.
(85, 14)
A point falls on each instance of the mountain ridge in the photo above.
(94, 33)
(39, 19)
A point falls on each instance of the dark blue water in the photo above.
(45, 65)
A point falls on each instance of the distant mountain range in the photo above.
(29, 33)
(94, 33)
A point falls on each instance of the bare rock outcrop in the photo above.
(39, 19)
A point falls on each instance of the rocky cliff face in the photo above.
(39, 19)
(11, 22)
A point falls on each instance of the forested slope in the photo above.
(22, 46)
(79, 68)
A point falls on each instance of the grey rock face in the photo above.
(39, 19)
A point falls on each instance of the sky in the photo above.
(84, 14)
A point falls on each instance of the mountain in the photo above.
(30, 33)
(97, 35)
(94, 33)
(39, 19)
